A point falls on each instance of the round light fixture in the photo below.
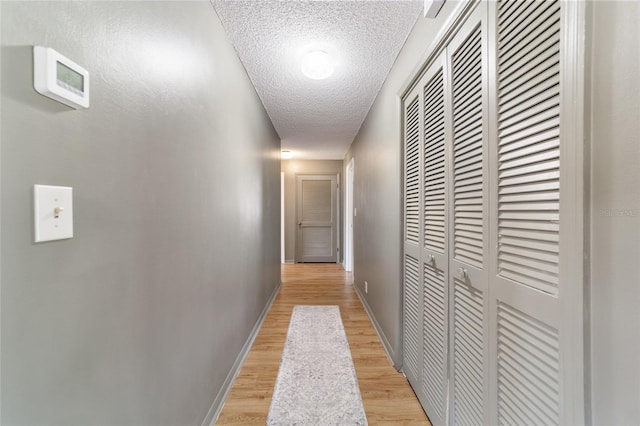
(286, 155)
(317, 64)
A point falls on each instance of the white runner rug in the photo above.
(316, 383)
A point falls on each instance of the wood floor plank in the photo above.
(386, 394)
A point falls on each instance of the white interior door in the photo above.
(536, 309)
(426, 242)
(413, 236)
(435, 245)
(316, 218)
(469, 225)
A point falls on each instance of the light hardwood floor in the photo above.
(386, 394)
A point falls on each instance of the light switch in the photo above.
(53, 212)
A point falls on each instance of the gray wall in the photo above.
(615, 213)
(377, 188)
(175, 168)
(291, 168)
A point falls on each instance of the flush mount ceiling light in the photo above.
(317, 64)
(286, 155)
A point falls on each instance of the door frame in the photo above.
(282, 226)
(348, 216)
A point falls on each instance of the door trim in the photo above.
(282, 240)
(348, 216)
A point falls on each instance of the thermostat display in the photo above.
(59, 78)
(69, 79)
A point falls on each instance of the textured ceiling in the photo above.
(317, 118)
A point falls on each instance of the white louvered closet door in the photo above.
(533, 344)
(435, 264)
(413, 237)
(469, 251)
(493, 320)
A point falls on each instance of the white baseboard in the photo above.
(289, 262)
(218, 402)
(388, 349)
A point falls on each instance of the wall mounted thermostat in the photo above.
(59, 78)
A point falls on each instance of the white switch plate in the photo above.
(45, 200)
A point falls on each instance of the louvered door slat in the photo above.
(411, 316)
(543, 62)
(436, 100)
(528, 51)
(512, 9)
(536, 245)
(517, 379)
(467, 100)
(412, 172)
(528, 360)
(529, 63)
(434, 165)
(524, 26)
(468, 159)
(434, 153)
(468, 97)
(530, 230)
(466, 69)
(468, 364)
(545, 269)
(433, 133)
(467, 144)
(546, 176)
(529, 188)
(542, 88)
(528, 42)
(536, 123)
(512, 251)
(434, 338)
(530, 171)
(529, 167)
(464, 371)
(527, 149)
(468, 151)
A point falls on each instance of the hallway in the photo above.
(486, 162)
(386, 394)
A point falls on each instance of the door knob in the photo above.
(462, 273)
(431, 258)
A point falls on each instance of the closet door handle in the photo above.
(462, 274)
